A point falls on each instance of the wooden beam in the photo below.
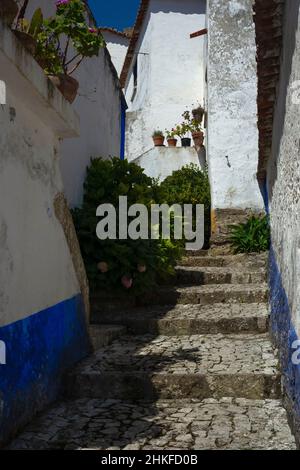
(198, 33)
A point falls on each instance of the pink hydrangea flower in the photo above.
(102, 266)
(127, 282)
(142, 268)
(62, 2)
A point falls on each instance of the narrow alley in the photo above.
(196, 370)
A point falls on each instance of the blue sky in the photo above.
(118, 14)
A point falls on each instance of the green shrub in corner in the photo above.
(133, 266)
(189, 185)
(252, 236)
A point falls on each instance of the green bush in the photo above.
(252, 236)
(121, 265)
(189, 185)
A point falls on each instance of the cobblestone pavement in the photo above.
(229, 354)
(183, 424)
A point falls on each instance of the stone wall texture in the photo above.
(283, 177)
(232, 117)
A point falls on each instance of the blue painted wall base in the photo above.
(284, 335)
(39, 349)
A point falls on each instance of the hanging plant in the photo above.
(64, 41)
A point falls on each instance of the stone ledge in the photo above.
(29, 84)
(160, 162)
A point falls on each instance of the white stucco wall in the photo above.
(232, 144)
(160, 162)
(170, 71)
(99, 104)
(36, 269)
(117, 47)
(284, 168)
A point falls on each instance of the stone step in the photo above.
(103, 335)
(227, 423)
(209, 294)
(217, 275)
(200, 366)
(190, 253)
(243, 261)
(189, 319)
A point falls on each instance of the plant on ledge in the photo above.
(64, 41)
(182, 130)
(28, 31)
(172, 141)
(193, 122)
(252, 236)
(158, 138)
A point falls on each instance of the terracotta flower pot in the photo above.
(198, 138)
(158, 140)
(42, 62)
(8, 10)
(172, 142)
(198, 113)
(67, 85)
(28, 41)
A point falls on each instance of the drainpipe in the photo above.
(123, 126)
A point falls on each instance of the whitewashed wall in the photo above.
(117, 47)
(42, 314)
(170, 71)
(99, 107)
(232, 109)
(36, 270)
(160, 162)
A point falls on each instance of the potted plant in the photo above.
(198, 114)
(172, 141)
(67, 27)
(8, 10)
(27, 31)
(197, 133)
(182, 131)
(158, 138)
(193, 123)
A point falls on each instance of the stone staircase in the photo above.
(191, 368)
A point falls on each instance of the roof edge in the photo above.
(115, 31)
(134, 39)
